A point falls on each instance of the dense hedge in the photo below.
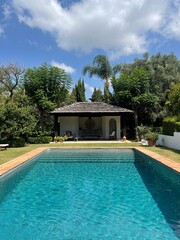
(17, 142)
(177, 126)
(36, 140)
(169, 124)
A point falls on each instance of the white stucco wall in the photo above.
(170, 141)
(69, 124)
(105, 126)
(74, 123)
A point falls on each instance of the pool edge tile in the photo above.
(164, 160)
(5, 167)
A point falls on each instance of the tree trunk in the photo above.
(106, 91)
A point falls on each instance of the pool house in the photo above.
(90, 120)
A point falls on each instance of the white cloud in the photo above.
(172, 28)
(6, 10)
(89, 88)
(6, 15)
(68, 69)
(119, 27)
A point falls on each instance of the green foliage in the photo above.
(150, 133)
(102, 68)
(164, 71)
(132, 90)
(177, 126)
(16, 121)
(60, 138)
(169, 125)
(79, 91)
(46, 85)
(40, 140)
(17, 142)
(142, 130)
(97, 96)
(152, 136)
(10, 77)
(174, 99)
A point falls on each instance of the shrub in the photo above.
(33, 140)
(152, 136)
(169, 125)
(39, 140)
(177, 126)
(46, 139)
(142, 130)
(60, 138)
(17, 142)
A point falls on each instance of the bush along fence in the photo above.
(171, 133)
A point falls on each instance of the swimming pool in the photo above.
(90, 194)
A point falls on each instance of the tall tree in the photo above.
(10, 76)
(164, 70)
(47, 87)
(174, 99)
(80, 91)
(102, 68)
(97, 96)
(17, 119)
(133, 91)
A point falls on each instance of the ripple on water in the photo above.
(86, 200)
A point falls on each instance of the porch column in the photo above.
(56, 125)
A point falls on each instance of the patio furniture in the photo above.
(112, 135)
(90, 133)
(4, 146)
(144, 142)
(70, 136)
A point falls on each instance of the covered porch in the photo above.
(89, 121)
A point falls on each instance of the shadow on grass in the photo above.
(169, 149)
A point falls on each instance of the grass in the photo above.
(12, 153)
(167, 152)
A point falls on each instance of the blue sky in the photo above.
(70, 33)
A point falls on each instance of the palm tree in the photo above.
(102, 68)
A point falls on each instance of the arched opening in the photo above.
(112, 129)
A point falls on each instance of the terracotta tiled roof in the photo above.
(91, 107)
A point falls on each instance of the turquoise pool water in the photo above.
(89, 194)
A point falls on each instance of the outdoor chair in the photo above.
(112, 135)
(144, 142)
(69, 135)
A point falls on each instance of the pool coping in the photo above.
(164, 160)
(10, 165)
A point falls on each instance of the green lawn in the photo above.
(10, 153)
(167, 152)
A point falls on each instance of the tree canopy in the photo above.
(133, 91)
(97, 96)
(173, 101)
(102, 68)
(27, 96)
(79, 91)
(10, 76)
